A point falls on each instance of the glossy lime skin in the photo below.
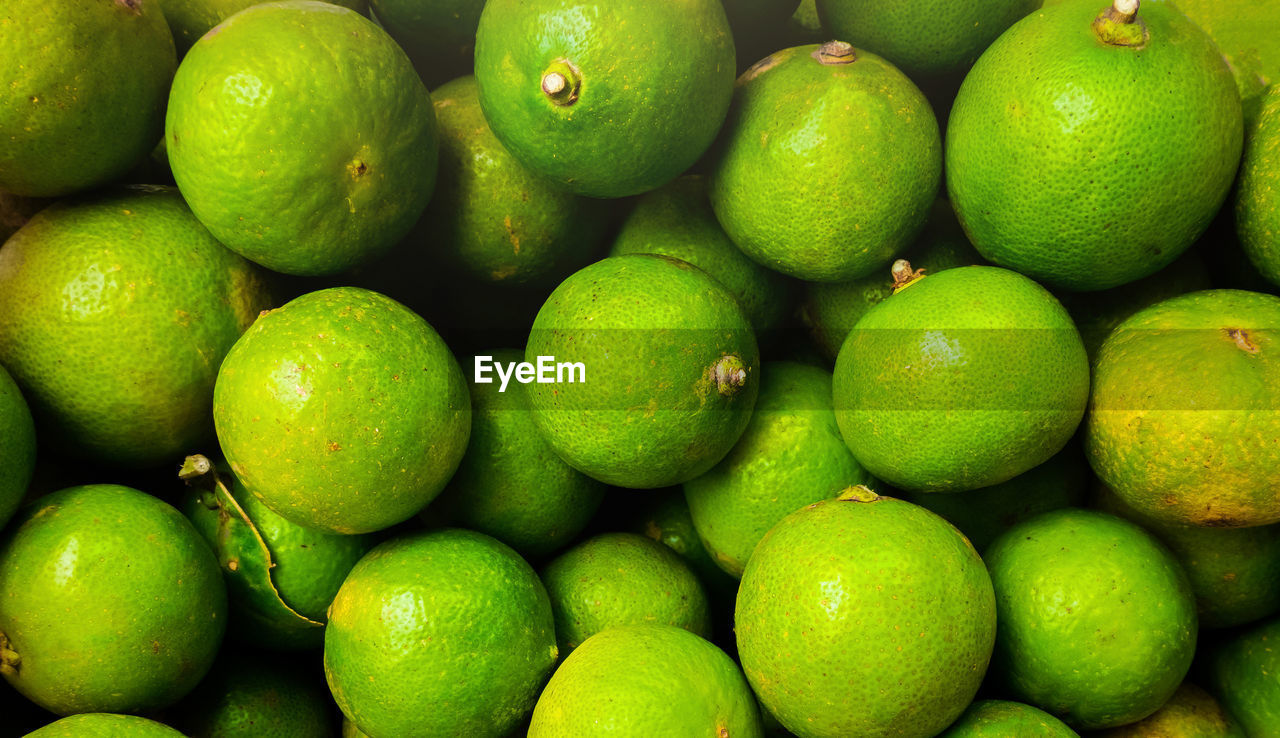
(1242, 674)
(867, 618)
(191, 19)
(1087, 165)
(252, 696)
(1258, 196)
(961, 380)
(1097, 621)
(111, 599)
(646, 680)
(105, 725)
(1190, 713)
(18, 451)
(654, 87)
(649, 330)
(1174, 427)
(827, 169)
(619, 579)
(1000, 719)
(342, 411)
(71, 119)
(115, 312)
(302, 137)
(441, 633)
(790, 455)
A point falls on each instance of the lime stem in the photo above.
(858, 493)
(836, 52)
(730, 375)
(904, 276)
(560, 83)
(195, 466)
(1123, 11)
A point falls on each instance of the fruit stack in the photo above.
(404, 368)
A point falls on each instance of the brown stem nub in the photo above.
(9, 659)
(904, 276)
(194, 467)
(858, 493)
(730, 375)
(1123, 11)
(836, 52)
(560, 83)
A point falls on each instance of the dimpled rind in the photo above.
(342, 411)
(105, 725)
(827, 170)
(1097, 622)
(1086, 165)
(655, 87)
(302, 137)
(111, 599)
(646, 680)
(1000, 719)
(18, 451)
(1174, 426)
(1242, 674)
(868, 618)
(115, 312)
(1258, 195)
(963, 379)
(441, 633)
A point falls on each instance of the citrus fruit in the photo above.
(349, 730)
(510, 484)
(1090, 149)
(1190, 713)
(1258, 196)
(493, 220)
(1174, 427)
(865, 615)
(962, 379)
(71, 119)
(790, 455)
(281, 577)
(247, 697)
(301, 136)
(607, 97)
(441, 633)
(109, 601)
(1001, 719)
(622, 579)
(105, 725)
(830, 161)
(342, 411)
(1097, 622)
(676, 220)
(669, 377)
(18, 452)
(1242, 674)
(665, 517)
(440, 36)
(646, 680)
(115, 312)
(191, 19)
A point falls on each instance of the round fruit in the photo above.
(999, 719)
(493, 220)
(925, 39)
(18, 451)
(669, 371)
(607, 97)
(665, 518)
(790, 455)
(440, 35)
(191, 19)
(71, 119)
(1258, 196)
(646, 680)
(115, 312)
(622, 579)
(962, 379)
(510, 484)
(105, 725)
(109, 601)
(302, 137)
(1097, 622)
(342, 411)
(1190, 713)
(248, 697)
(1242, 674)
(441, 633)
(1088, 150)
(831, 161)
(865, 615)
(1174, 427)
(677, 221)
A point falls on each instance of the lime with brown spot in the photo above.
(105, 725)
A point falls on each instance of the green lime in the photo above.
(18, 452)
(668, 371)
(301, 136)
(1000, 719)
(618, 579)
(109, 601)
(84, 92)
(441, 633)
(1097, 622)
(865, 615)
(607, 97)
(115, 311)
(961, 380)
(342, 411)
(830, 162)
(676, 220)
(253, 697)
(191, 19)
(1190, 713)
(1242, 674)
(1258, 196)
(1174, 427)
(439, 35)
(646, 680)
(790, 455)
(105, 725)
(664, 517)
(1090, 149)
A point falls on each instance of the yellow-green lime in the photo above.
(248, 696)
(1002, 719)
(191, 19)
(1242, 675)
(1258, 194)
(18, 452)
(105, 725)
(1190, 713)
